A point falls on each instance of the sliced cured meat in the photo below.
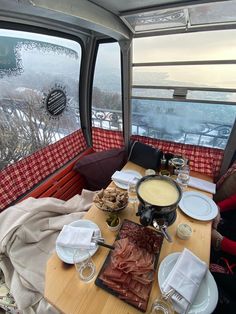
(129, 269)
(143, 237)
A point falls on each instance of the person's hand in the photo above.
(216, 239)
(217, 219)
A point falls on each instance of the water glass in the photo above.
(84, 265)
(162, 306)
(183, 177)
(132, 191)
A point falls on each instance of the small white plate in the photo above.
(207, 297)
(198, 206)
(124, 186)
(66, 254)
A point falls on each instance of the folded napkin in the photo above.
(77, 237)
(202, 185)
(185, 278)
(124, 177)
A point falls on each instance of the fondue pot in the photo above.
(158, 216)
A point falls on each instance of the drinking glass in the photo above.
(183, 177)
(132, 191)
(178, 163)
(84, 265)
(163, 305)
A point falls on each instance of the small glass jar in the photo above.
(163, 163)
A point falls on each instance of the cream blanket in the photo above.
(28, 231)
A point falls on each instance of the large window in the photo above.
(39, 90)
(106, 100)
(184, 87)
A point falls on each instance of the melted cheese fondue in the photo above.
(158, 192)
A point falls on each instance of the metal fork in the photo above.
(172, 292)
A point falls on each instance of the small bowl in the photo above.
(115, 228)
(111, 200)
(150, 172)
(112, 210)
(184, 231)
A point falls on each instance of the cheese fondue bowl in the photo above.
(159, 196)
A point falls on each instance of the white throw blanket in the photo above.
(28, 232)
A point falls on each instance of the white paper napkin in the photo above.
(124, 177)
(77, 237)
(185, 278)
(202, 185)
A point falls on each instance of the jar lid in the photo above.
(184, 231)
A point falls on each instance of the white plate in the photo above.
(198, 206)
(66, 254)
(124, 186)
(207, 297)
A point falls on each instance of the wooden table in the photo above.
(68, 294)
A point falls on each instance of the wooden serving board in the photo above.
(135, 231)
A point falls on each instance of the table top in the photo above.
(68, 294)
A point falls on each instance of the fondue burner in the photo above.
(159, 221)
(169, 218)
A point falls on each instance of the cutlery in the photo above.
(101, 243)
(174, 293)
(161, 226)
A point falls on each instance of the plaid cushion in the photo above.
(231, 170)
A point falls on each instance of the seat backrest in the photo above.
(145, 155)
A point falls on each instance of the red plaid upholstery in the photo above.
(20, 177)
(106, 139)
(201, 159)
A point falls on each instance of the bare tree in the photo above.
(25, 126)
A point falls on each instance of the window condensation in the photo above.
(185, 103)
(39, 92)
(106, 98)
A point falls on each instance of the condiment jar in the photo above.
(184, 231)
(163, 163)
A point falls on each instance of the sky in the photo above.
(212, 45)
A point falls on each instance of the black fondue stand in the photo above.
(146, 219)
(159, 217)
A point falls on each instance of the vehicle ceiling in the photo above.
(124, 19)
(172, 16)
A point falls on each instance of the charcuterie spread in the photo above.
(128, 271)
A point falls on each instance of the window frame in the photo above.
(230, 147)
(54, 33)
(93, 66)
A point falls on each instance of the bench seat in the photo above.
(63, 184)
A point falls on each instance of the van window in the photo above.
(39, 90)
(183, 87)
(106, 98)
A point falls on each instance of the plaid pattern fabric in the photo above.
(231, 170)
(201, 159)
(106, 139)
(218, 269)
(20, 177)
